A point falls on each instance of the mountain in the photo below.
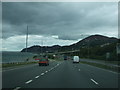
(90, 41)
(94, 40)
(42, 49)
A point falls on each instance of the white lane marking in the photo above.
(46, 71)
(52, 68)
(94, 81)
(79, 69)
(37, 77)
(100, 68)
(42, 73)
(18, 67)
(56, 65)
(28, 81)
(17, 88)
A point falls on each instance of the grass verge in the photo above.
(110, 62)
(5, 65)
(112, 68)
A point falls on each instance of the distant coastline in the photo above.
(15, 56)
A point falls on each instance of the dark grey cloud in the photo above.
(73, 37)
(66, 20)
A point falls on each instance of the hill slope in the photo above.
(90, 41)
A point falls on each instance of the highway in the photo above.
(59, 74)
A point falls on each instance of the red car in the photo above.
(43, 61)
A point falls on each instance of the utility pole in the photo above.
(88, 48)
(42, 46)
(118, 53)
(26, 38)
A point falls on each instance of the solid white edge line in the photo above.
(17, 88)
(94, 81)
(37, 77)
(17, 67)
(28, 81)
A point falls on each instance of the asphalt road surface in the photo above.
(59, 74)
(100, 62)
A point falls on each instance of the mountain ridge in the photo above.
(90, 41)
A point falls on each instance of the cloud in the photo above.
(63, 21)
(73, 37)
(57, 18)
(17, 43)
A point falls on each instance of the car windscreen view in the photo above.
(64, 44)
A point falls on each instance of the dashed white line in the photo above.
(46, 71)
(28, 81)
(42, 73)
(94, 81)
(49, 70)
(78, 69)
(52, 68)
(101, 69)
(17, 88)
(37, 77)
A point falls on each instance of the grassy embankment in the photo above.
(5, 65)
(112, 68)
(14, 64)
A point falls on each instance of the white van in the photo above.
(76, 59)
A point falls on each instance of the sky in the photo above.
(55, 23)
